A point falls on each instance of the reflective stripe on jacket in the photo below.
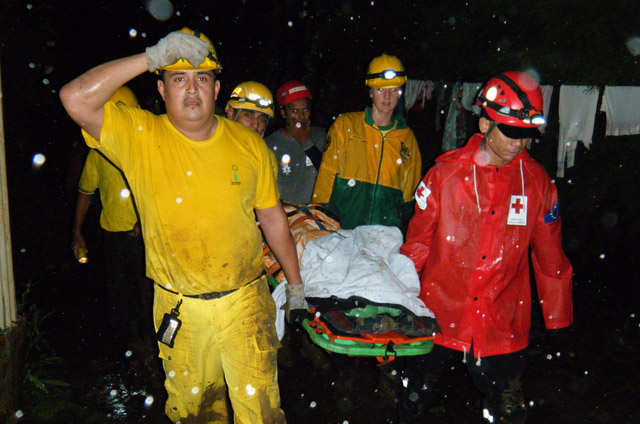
(366, 176)
(474, 265)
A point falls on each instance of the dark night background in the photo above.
(328, 44)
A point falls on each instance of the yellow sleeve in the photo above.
(120, 127)
(414, 174)
(268, 194)
(330, 165)
(90, 178)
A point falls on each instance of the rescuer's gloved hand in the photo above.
(176, 46)
(296, 305)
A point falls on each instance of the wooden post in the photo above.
(7, 284)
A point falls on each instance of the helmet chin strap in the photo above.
(486, 134)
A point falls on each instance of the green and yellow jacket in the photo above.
(367, 176)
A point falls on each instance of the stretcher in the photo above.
(353, 326)
(332, 331)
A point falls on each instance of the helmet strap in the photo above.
(524, 99)
(493, 125)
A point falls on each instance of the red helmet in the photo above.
(292, 91)
(513, 98)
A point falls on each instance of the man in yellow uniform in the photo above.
(197, 179)
(129, 292)
(371, 163)
(251, 104)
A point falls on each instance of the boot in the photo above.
(419, 394)
(507, 408)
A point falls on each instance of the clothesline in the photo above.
(576, 112)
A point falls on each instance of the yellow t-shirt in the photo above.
(117, 208)
(196, 199)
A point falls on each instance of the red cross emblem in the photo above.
(517, 205)
(420, 191)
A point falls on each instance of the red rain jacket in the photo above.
(474, 265)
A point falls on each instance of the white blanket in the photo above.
(363, 262)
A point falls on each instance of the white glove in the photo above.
(176, 46)
(295, 300)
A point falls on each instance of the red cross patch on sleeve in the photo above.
(422, 193)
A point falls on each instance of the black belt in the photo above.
(214, 295)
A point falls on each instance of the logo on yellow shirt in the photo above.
(235, 181)
(405, 152)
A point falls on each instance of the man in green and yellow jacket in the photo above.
(371, 163)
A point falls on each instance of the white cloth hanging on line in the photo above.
(622, 106)
(577, 110)
(547, 92)
(469, 94)
(411, 91)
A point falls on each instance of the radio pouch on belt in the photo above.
(170, 325)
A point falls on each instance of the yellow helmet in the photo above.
(125, 96)
(252, 95)
(385, 71)
(210, 62)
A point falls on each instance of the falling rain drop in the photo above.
(250, 390)
(160, 9)
(38, 160)
(312, 404)
(633, 44)
(290, 23)
(609, 219)
(148, 401)
(124, 193)
(133, 33)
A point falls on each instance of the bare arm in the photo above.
(82, 206)
(275, 227)
(84, 97)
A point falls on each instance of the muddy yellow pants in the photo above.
(224, 345)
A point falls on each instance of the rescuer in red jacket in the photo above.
(478, 211)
